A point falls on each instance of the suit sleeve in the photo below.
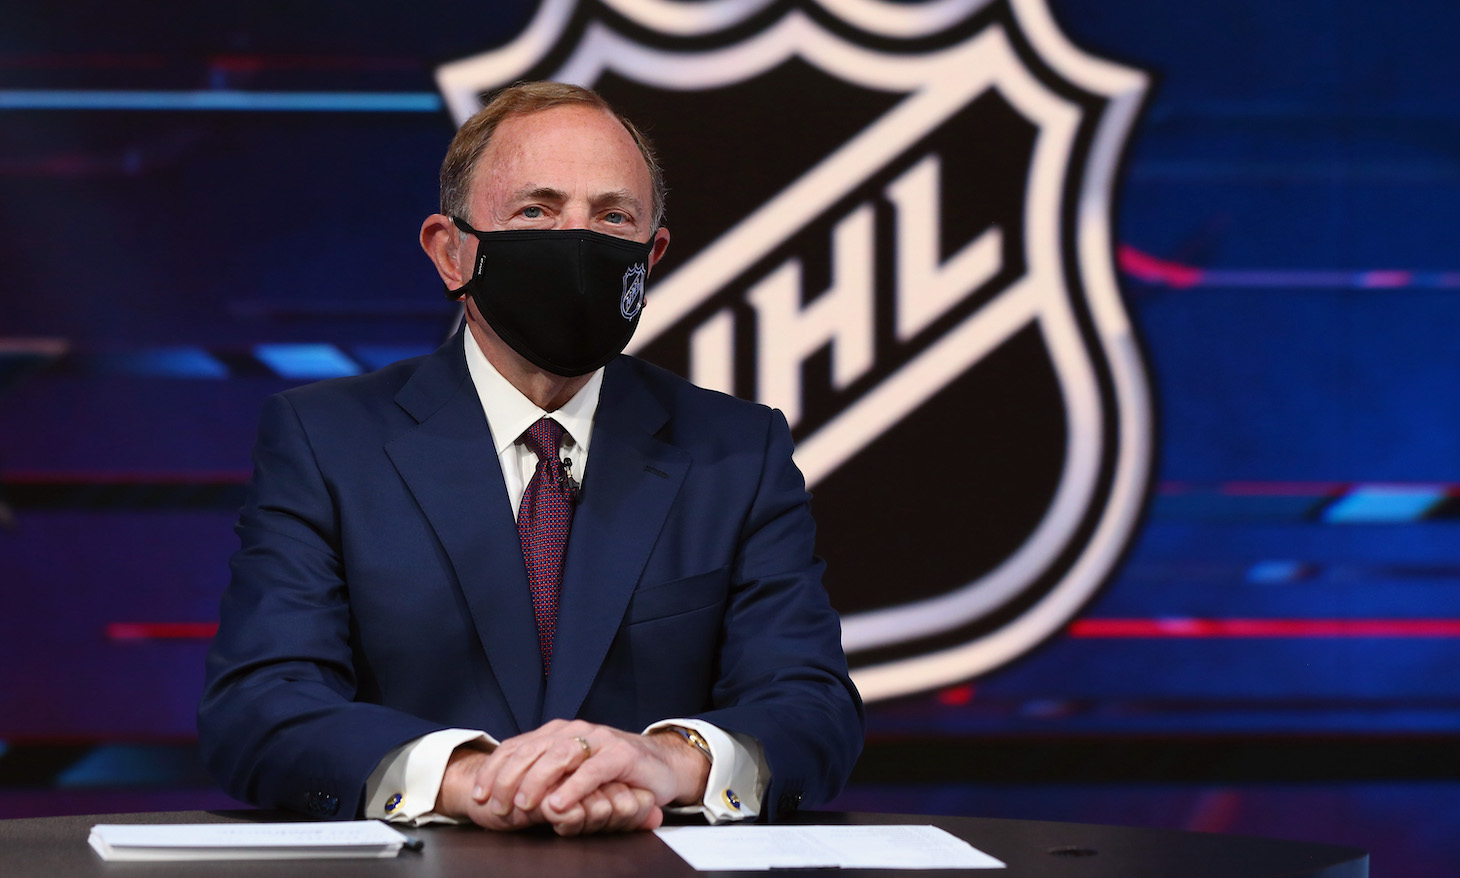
(278, 724)
(783, 677)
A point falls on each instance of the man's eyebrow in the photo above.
(539, 193)
(618, 198)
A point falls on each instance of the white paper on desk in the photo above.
(245, 841)
(728, 848)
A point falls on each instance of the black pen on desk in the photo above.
(414, 844)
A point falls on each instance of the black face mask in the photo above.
(567, 300)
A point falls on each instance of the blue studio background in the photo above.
(1277, 654)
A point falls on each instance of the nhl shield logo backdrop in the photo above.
(892, 222)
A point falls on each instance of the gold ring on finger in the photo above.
(583, 742)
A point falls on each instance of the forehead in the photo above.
(579, 149)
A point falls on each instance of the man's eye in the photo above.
(533, 212)
(615, 217)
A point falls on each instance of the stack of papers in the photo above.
(246, 841)
(746, 848)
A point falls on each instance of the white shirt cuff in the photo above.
(738, 773)
(404, 786)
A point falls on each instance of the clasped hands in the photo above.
(576, 776)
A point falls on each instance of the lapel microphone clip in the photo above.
(566, 483)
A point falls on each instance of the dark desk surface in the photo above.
(55, 847)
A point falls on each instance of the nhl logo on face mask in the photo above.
(892, 221)
(633, 297)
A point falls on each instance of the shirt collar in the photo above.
(509, 413)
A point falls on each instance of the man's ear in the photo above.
(442, 244)
(661, 243)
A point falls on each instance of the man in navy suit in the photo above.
(385, 647)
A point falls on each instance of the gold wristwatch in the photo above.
(695, 741)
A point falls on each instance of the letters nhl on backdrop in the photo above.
(898, 219)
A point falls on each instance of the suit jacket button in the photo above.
(321, 804)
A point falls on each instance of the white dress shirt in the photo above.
(404, 786)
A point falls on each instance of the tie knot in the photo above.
(544, 438)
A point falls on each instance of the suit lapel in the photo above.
(448, 464)
(632, 480)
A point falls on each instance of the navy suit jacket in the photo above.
(379, 593)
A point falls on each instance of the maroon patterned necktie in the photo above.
(543, 521)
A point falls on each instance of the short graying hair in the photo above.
(528, 97)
